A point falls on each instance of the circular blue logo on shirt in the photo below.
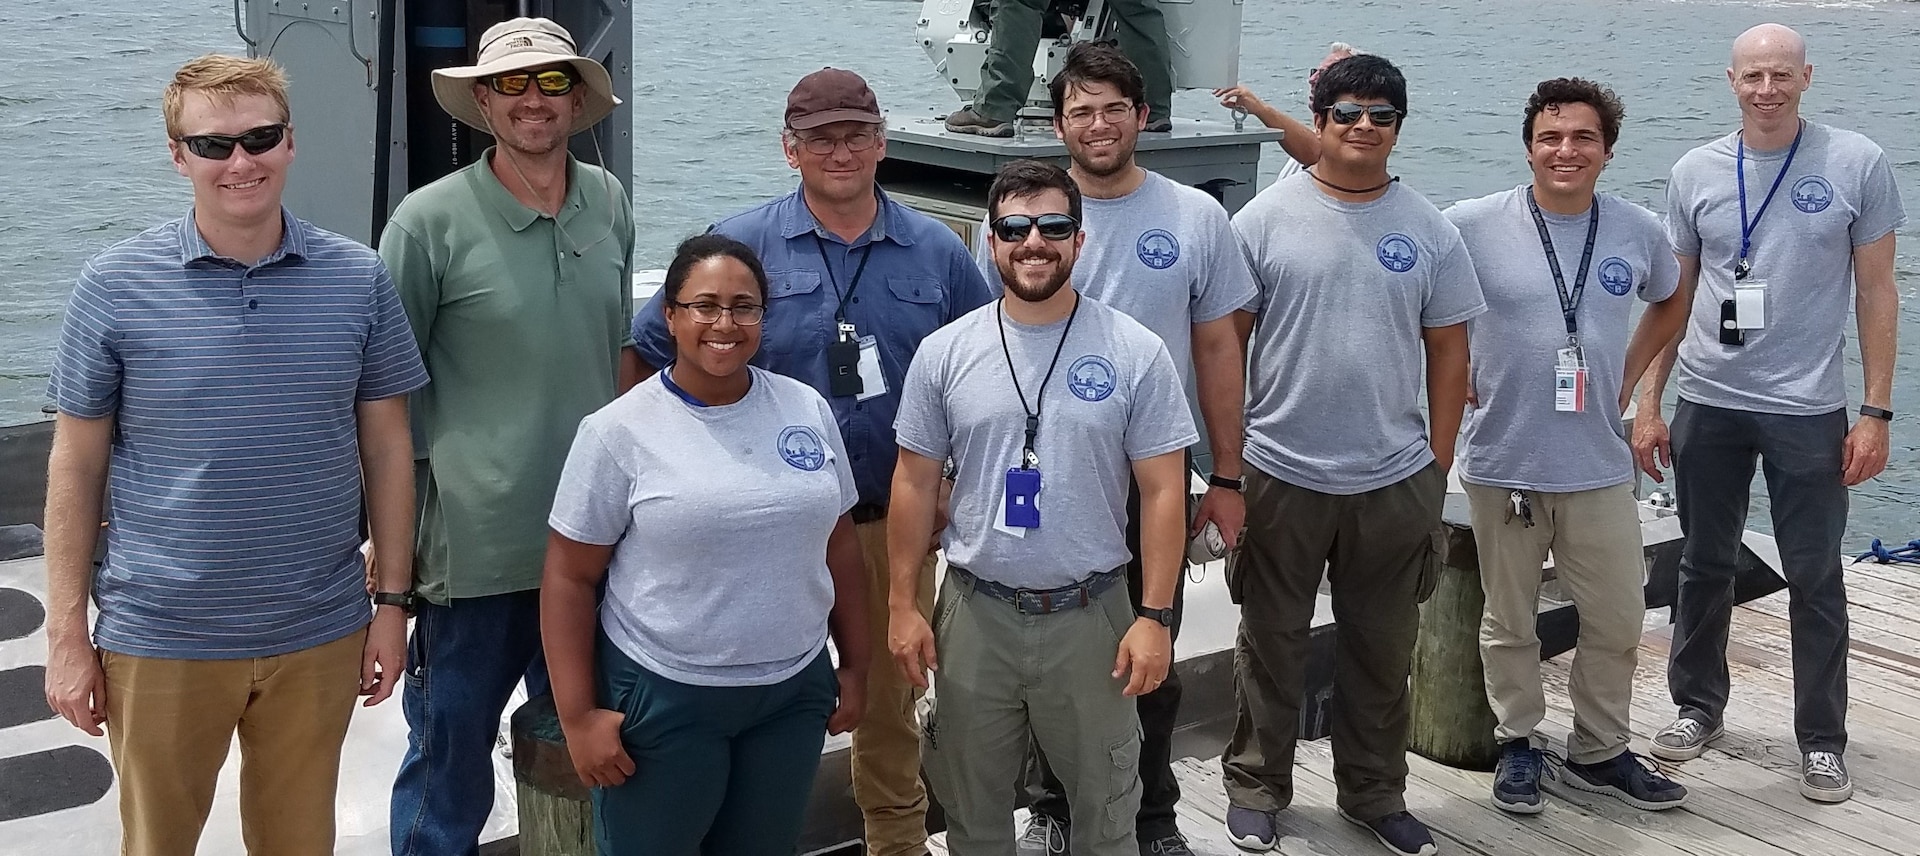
(801, 448)
(1091, 378)
(1158, 249)
(1812, 194)
(1397, 252)
(1616, 276)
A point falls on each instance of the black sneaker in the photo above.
(1400, 832)
(1044, 837)
(966, 121)
(1516, 780)
(1823, 778)
(1166, 845)
(1252, 830)
(1629, 778)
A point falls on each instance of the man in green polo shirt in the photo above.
(515, 272)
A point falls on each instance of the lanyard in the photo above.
(1741, 268)
(840, 311)
(1569, 303)
(1028, 460)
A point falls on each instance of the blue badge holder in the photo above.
(1023, 491)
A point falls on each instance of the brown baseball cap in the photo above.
(831, 95)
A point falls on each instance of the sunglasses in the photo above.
(1347, 113)
(1014, 228)
(258, 141)
(553, 82)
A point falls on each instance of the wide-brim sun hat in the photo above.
(519, 44)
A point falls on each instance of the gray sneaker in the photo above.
(1823, 778)
(1252, 830)
(1044, 837)
(966, 121)
(1684, 740)
(1171, 845)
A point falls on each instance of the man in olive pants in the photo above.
(1007, 74)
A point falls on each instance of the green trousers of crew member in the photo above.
(1007, 75)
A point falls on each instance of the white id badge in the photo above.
(1569, 381)
(873, 381)
(1750, 304)
(1000, 518)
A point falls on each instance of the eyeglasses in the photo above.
(219, 147)
(553, 81)
(1014, 228)
(1115, 114)
(1382, 115)
(704, 312)
(858, 141)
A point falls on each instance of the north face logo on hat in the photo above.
(518, 42)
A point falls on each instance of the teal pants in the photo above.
(719, 771)
(1007, 75)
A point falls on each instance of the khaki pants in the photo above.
(1595, 539)
(171, 722)
(886, 746)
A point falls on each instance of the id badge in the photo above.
(1750, 304)
(1570, 381)
(843, 363)
(873, 382)
(1022, 499)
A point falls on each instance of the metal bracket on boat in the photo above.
(353, 41)
(240, 27)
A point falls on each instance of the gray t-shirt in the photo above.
(719, 518)
(1333, 392)
(1515, 438)
(1114, 399)
(1164, 254)
(1838, 194)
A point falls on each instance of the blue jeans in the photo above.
(462, 664)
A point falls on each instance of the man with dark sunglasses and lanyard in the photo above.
(1778, 223)
(1046, 402)
(1360, 280)
(515, 271)
(1164, 254)
(857, 281)
(237, 378)
(1546, 467)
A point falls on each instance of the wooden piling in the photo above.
(556, 812)
(1450, 720)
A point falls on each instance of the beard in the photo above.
(1108, 162)
(1018, 280)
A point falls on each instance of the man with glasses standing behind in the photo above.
(515, 274)
(1360, 279)
(856, 281)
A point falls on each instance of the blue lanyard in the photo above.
(1741, 268)
(666, 378)
(1569, 303)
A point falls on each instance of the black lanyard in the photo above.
(1569, 303)
(840, 311)
(1740, 267)
(1028, 460)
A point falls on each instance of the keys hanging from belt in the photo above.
(1518, 506)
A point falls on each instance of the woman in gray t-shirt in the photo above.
(711, 500)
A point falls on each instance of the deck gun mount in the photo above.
(1203, 36)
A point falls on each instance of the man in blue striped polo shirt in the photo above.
(232, 378)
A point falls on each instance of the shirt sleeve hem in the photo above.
(570, 532)
(1163, 448)
(1456, 318)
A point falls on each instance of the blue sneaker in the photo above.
(1400, 832)
(1252, 830)
(1629, 778)
(1516, 780)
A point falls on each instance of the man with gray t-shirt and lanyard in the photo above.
(1164, 254)
(1045, 402)
(1360, 279)
(1546, 466)
(1778, 223)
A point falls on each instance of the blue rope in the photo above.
(1910, 554)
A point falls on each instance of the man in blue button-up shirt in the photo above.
(856, 282)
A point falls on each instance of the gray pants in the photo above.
(1007, 677)
(1007, 74)
(1377, 549)
(1713, 460)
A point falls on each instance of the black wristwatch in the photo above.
(1229, 484)
(406, 600)
(1164, 616)
(1876, 412)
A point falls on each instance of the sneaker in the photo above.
(1401, 832)
(1252, 830)
(1168, 845)
(1516, 780)
(1629, 778)
(1823, 778)
(966, 121)
(1684, 740)
(1044, 837)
